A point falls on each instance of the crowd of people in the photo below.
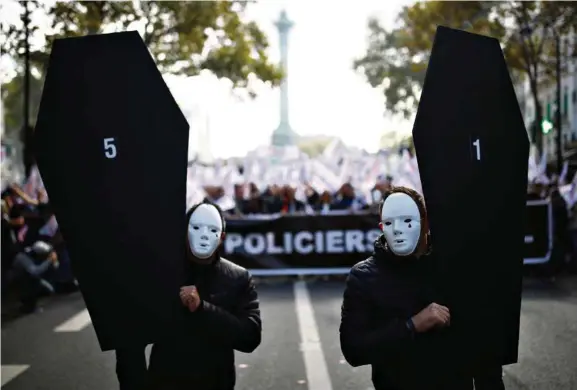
(248, 200)
(35, 262)
(276, 199)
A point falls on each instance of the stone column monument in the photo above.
(283, 135)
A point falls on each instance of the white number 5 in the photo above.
(477, 145)
(109, 148)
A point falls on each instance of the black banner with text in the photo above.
(335, 242)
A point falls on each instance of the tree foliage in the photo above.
(397, 59)
(530, 48)
(13, 40)
(12, 94)
(184, 37)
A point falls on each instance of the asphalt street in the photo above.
(57, 348)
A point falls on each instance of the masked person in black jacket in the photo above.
(222, 315)
(390, 317)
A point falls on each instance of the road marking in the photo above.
(75, 323)
(11, 371)
(315, 364)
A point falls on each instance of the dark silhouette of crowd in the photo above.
(275, 199)
(35, 262)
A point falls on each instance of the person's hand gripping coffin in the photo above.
(391, 318)
(222, 308)
(205, 234)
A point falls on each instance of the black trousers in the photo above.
(131, 369)
(30, 291)
(490, 379)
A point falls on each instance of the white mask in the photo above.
(401, 223)
(204, 231)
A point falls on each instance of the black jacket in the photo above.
(381, 294)
(201, 354)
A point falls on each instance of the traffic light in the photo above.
(546, 126)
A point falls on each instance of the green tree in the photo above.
(13, 41)
(13, 45)
(183, 37)
(529, 46)
(12, 98)
(397, 59)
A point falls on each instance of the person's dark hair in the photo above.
(193, 208)
(408, 191)
(556, 194)
(8, 192)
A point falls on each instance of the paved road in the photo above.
(57, 349)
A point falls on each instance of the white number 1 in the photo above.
(109, 148)
(477, 145)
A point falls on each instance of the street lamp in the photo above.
(27, 130)
(558, 124)
(525, 31)
(26, 106)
